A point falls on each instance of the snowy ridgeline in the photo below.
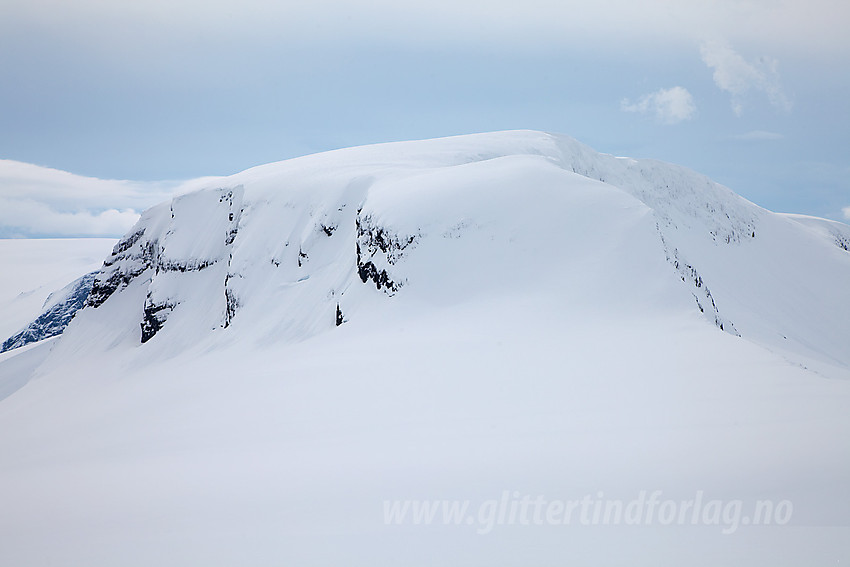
(294, 248)
(262, 363)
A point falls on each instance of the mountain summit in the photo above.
(268, 366)
(291, 249)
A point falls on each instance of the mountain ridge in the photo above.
(691, 213)
(415, 322)
(326, 198)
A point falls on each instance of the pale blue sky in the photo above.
(755, 94)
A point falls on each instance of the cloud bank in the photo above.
(733, 74)
(846, 211)
(669, 106)
(41, 202)
(790, 25)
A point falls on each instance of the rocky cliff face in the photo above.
(170, 259)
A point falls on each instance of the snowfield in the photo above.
(264, 364)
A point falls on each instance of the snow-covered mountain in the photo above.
(262, 362)
(296, 247)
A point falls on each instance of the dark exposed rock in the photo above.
(231, 302)
(702, 295)
(122, 267)
(154, 317)
(53, 320)
(192, 266)
(127, 242)
(374, 241)
(374, 238)
(103, 288)
(381, 279)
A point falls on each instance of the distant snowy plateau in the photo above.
(260, 364)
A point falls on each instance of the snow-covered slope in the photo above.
(265, 361)
(835, 232)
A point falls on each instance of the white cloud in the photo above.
(32, 218)
(792, 25)
(759, 135)
(670, 106)
(38, 201)
(733, 74)
(846, 211)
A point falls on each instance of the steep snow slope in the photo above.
(446, 319)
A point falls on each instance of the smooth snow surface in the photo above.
(518, 313)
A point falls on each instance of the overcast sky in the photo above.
(754, 93)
